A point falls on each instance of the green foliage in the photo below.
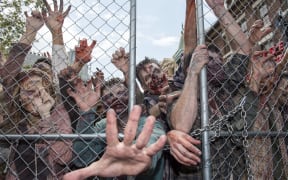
(12, 21)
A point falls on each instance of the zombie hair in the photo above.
(43, 59)
(214, 49)
(111, 82)
(140, 66)
(14, 106)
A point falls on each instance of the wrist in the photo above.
(57, 37)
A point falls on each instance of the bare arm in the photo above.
(18, 53)
(186, 108)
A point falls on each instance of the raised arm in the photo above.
(19, 51)
(120, 59)
(182, 118)
(242, 44)
(54, 21)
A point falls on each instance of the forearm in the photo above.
(57, 37)
(234, 32)
(185, 110)
(14, 62)
(28, 38)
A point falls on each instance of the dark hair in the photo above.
(111, 82)
(213, 48)
(43, 59)
(141, 65)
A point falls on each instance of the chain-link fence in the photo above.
(53, 123)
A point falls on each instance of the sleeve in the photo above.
(158, 131)
(87, 151)
(69, 102)
(14, 63)
(59, 60)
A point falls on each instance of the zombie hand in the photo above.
(183, 148)
(83, 51)
(120, 59)
(126, 157)
(33, 22)
(199, 58)
(257, 31)
(85, 96)
(166, 100)
(55, 20)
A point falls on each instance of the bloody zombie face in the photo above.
(153, 79)
(116, 97)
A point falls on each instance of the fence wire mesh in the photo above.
(53, 122)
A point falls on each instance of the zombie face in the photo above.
(153, 78)
(215, 72)
(33, 93)
(116, 97)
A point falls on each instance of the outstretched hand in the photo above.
(33, 22)
(85, 96)
(83, 51)
(120, 59)
(55, 20)
(126, 157)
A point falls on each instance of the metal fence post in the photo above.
(132, 50)
(203, 96)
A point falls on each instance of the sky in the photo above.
(158, 29)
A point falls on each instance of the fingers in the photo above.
(55, 5)
(111, 128)
(67, 11)
(132, 124)
(61, 6)
(47, 6)
(157, 146)
(183, 156)
(93, 44)
(144, 136)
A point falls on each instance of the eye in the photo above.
(27, 92)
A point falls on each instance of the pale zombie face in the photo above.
(215, 71)
(116, 97)
(32, 91)
(153, 78)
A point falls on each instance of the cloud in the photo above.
(165, 41)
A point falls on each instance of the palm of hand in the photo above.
(120, 63)
(55, 21)
(84, 55)
(130, 160)
(34, 23)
